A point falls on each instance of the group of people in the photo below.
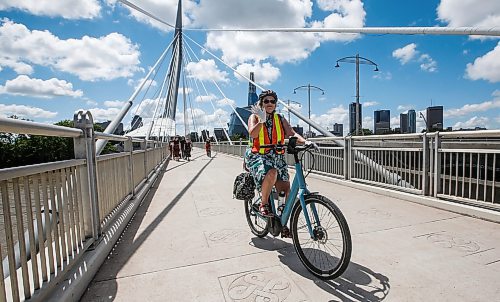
(180, 147)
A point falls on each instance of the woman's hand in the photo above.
(260, 113)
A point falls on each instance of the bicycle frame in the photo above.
(298, 188)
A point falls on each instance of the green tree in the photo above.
(21, 150)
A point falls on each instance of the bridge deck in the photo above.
(190, 242)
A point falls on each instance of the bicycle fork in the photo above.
(306, 214)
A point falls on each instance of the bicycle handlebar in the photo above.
(291, 147)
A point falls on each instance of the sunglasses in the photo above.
(267, 101)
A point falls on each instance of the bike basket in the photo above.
(244, 186)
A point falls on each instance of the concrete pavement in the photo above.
(189, 241)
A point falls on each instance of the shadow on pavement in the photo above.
(357, 283)
(127, 245)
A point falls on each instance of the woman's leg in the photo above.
(267, 185)
(283, 186)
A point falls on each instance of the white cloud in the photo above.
(410, 53)
(486, 67)
(137, 83)
(147, 107)
(265, 73)
(383, 75)
(402, 108)
(338, 114)
(406, 53)
(367, 123)
(395, 122)
(26, 86)
(114, 104)
(166, 10)
(102, 115)
(473, 122)
(345, 13)
(370, 103)
(188, 90)
(428, 63)
(25, 111)
(472, 108)
(68, 9)
(205, 98)
(469, 13)
(89, 58)
(206, 70)
(225, 102)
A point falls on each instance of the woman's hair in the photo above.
(265, 93)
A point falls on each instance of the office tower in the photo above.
(236, 127)
(434, 118)
(252, 94)
(136, 122)
(412, 121)
(338, 129)
(381, 121)
(403, 123)
(352, 118)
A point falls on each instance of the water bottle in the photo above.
(281, 202)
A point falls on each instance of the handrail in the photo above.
(9, 173)
(10, 125)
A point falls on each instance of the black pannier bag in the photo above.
(244, 186)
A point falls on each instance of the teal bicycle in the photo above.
(319, 230)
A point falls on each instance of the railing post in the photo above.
(425, 165)
(144, 146)
(346, 161)
(352, 159)
(85, 148)
(129, 147)
(437, 164)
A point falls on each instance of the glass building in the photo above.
(381, 121)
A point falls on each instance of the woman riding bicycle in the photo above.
(268, 166)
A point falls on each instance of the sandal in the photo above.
(265, 210)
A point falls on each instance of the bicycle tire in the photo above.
(323, 252)
(253, 215)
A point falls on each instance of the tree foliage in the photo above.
(20, 149)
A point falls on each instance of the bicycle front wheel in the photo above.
(327, 253)
(257, 223)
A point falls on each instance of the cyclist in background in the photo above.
(268, 166)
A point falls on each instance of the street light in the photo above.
(357, 60)
(289, 101)
(425, 120)
(308, 87)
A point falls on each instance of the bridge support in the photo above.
(85, 148)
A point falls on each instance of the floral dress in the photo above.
(259, 164)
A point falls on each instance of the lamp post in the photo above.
(425, 120)
(357, 60)
(308, 87)
(289, 101)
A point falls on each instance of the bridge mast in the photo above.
(175, 67)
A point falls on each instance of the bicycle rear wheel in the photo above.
(258, 224)
(327, 255)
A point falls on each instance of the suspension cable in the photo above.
(137, 8)
(223, 95)
(213, 106)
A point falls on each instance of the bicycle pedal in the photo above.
(285, 233)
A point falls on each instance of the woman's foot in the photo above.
(265, 210)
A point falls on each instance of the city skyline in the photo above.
(60, 58)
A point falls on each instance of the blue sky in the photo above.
(58, 57)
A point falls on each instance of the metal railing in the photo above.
(52, 213)
(461, 166)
